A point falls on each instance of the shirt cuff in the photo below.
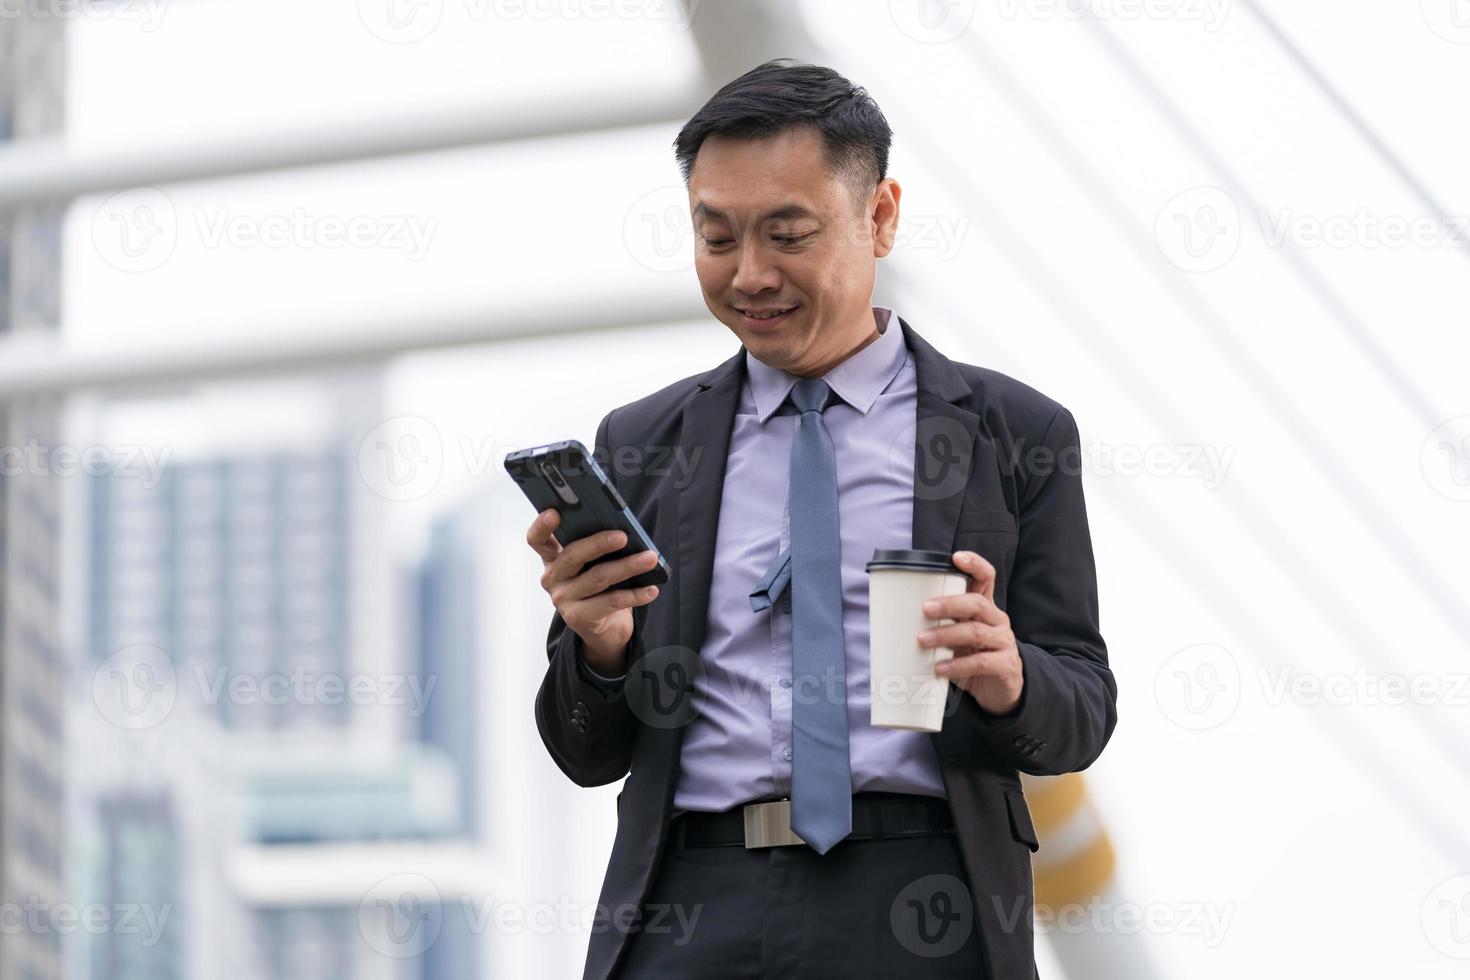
(600, 680)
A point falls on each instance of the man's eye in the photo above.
(791, 239)
(717, 242)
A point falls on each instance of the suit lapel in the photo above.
(944, 445)
(944, 450)
(706, 422)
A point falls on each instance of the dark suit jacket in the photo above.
(997, 471)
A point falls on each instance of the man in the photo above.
(766, 829)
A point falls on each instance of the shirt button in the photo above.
(785, 682)
(786, 754)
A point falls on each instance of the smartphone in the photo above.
(565, 476)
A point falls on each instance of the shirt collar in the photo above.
(858, 380)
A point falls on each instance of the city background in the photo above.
(281, 284)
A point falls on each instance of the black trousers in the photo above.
(890, 907)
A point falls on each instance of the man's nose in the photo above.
(756, 272)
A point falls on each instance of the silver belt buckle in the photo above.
(769, 824)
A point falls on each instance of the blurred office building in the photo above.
(32, 787)
(249, 654)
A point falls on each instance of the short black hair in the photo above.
(785, 93)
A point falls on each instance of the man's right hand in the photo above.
(601, 616)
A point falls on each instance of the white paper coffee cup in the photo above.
(905, 692)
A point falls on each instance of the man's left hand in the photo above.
(987, 662)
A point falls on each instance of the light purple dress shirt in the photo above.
(739, 748)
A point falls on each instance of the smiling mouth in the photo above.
(766, 316)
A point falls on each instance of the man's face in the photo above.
(775, 231)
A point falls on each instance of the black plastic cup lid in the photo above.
(919, 561)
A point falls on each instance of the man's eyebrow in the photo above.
(702, 210)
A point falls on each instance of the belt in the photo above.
(767, 823)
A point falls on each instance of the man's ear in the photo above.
(885, 216)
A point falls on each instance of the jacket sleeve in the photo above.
(586, 725)
(1069, 699)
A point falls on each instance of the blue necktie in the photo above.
(821, 777)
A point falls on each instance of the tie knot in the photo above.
(811, 394)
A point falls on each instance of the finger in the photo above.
(966, 605)
(969, 634)
(568, 564)
(983, 663)
(601, 606)
(540, 534)
(602, 577)
(981, 572)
